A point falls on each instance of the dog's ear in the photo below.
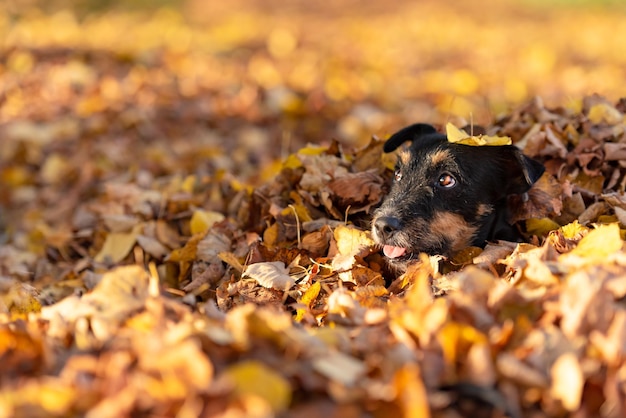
(410, 133)
(521, 172)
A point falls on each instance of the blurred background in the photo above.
(252, 80)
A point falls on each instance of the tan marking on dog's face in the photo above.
(484, 209)
(440, 156)
(405, 157)
(454, 229)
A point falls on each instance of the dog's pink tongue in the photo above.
(393, 252)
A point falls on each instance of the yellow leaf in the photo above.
(599, 243)
(455, 338)
(54, 170)
(202, 220)
(188, 184)
(540, 227)
(256, 379)
(118, 245)
(292, 162)
(604, 112)
(352, 241)
(312, 150)
(574, 230)
(458, 136)
(20, 62)
(411, 392)
(270, 236)
(455, 134)
(231, 259)
(54, 397)
(271, 170)
(20, 299)
(300, 210)
(307, 299)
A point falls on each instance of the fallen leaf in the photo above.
(598, 244)
(567, 381)
(272, 275)
(255, 378)
(202, 220)
(352, 241)
(340, 368)
(458, 136)
(117, 246)
(605, 113)
(307, 299)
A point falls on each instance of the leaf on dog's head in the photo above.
(459, 136)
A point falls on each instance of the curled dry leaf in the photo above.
(542, 200)
(272, 275)
(356, 192)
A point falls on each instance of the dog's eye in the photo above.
(397, 175)
(446, 181)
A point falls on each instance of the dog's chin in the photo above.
(399, 258)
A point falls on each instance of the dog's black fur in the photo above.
(448, 196)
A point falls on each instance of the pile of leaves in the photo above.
(169, 246)
(156, 306)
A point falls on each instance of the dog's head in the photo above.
(447, 196)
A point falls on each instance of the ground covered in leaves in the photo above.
(171, 246)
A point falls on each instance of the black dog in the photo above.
(448, 196)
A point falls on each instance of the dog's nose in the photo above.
(386, 226)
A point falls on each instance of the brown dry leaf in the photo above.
(356, 192)
(493, 253)
(515, 369)
(152, 246)
(317, 242)
(611, 345)
(20, 352)
(584, 303)
(542, 200)
(369, 296)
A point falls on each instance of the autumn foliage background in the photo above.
(185, 191)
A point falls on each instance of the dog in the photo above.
(447, 196)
